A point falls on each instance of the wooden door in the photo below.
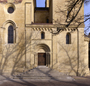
(41, 58)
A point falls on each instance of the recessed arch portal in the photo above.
(43, 52)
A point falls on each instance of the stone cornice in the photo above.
(53, 28)
(48, 26)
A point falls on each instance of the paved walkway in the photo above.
(79, 81)
(43, 76)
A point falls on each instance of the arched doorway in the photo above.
(43, 52)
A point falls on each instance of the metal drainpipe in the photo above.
(25, 48)
(25, 32)
(77, 52)
(52, 51)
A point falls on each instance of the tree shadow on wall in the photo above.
(13, 56)
(73, 59)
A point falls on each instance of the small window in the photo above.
(10, 34)
(68, 38)
(47, 20)
(58, 28)
(68, 13)
(10, 10)
(42, 35)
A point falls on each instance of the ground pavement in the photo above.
(79, 81)
(43, 76)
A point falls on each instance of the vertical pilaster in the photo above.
(28, 13)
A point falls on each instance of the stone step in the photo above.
(43, 72)
(48, 78)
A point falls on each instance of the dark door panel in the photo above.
(41, 58)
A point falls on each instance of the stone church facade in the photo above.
(30, 38)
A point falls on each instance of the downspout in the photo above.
(25, 48)
(25, 32)
(77, 53)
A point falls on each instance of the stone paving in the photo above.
(79, 81)
(35, 76)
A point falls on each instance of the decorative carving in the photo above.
(13, 1)
(42, 29)
(3, 1)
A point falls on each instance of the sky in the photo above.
(41, 3)
(87, 11)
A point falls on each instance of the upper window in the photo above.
(68, 38)
(47, 20)
(42, 35)
(10, 34)
(40, 3)
(10, 10)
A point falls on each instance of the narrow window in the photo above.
(68, 14)
(10, 34)
(58, 28)
(42, 35)
(68, 38)
(47, 20)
